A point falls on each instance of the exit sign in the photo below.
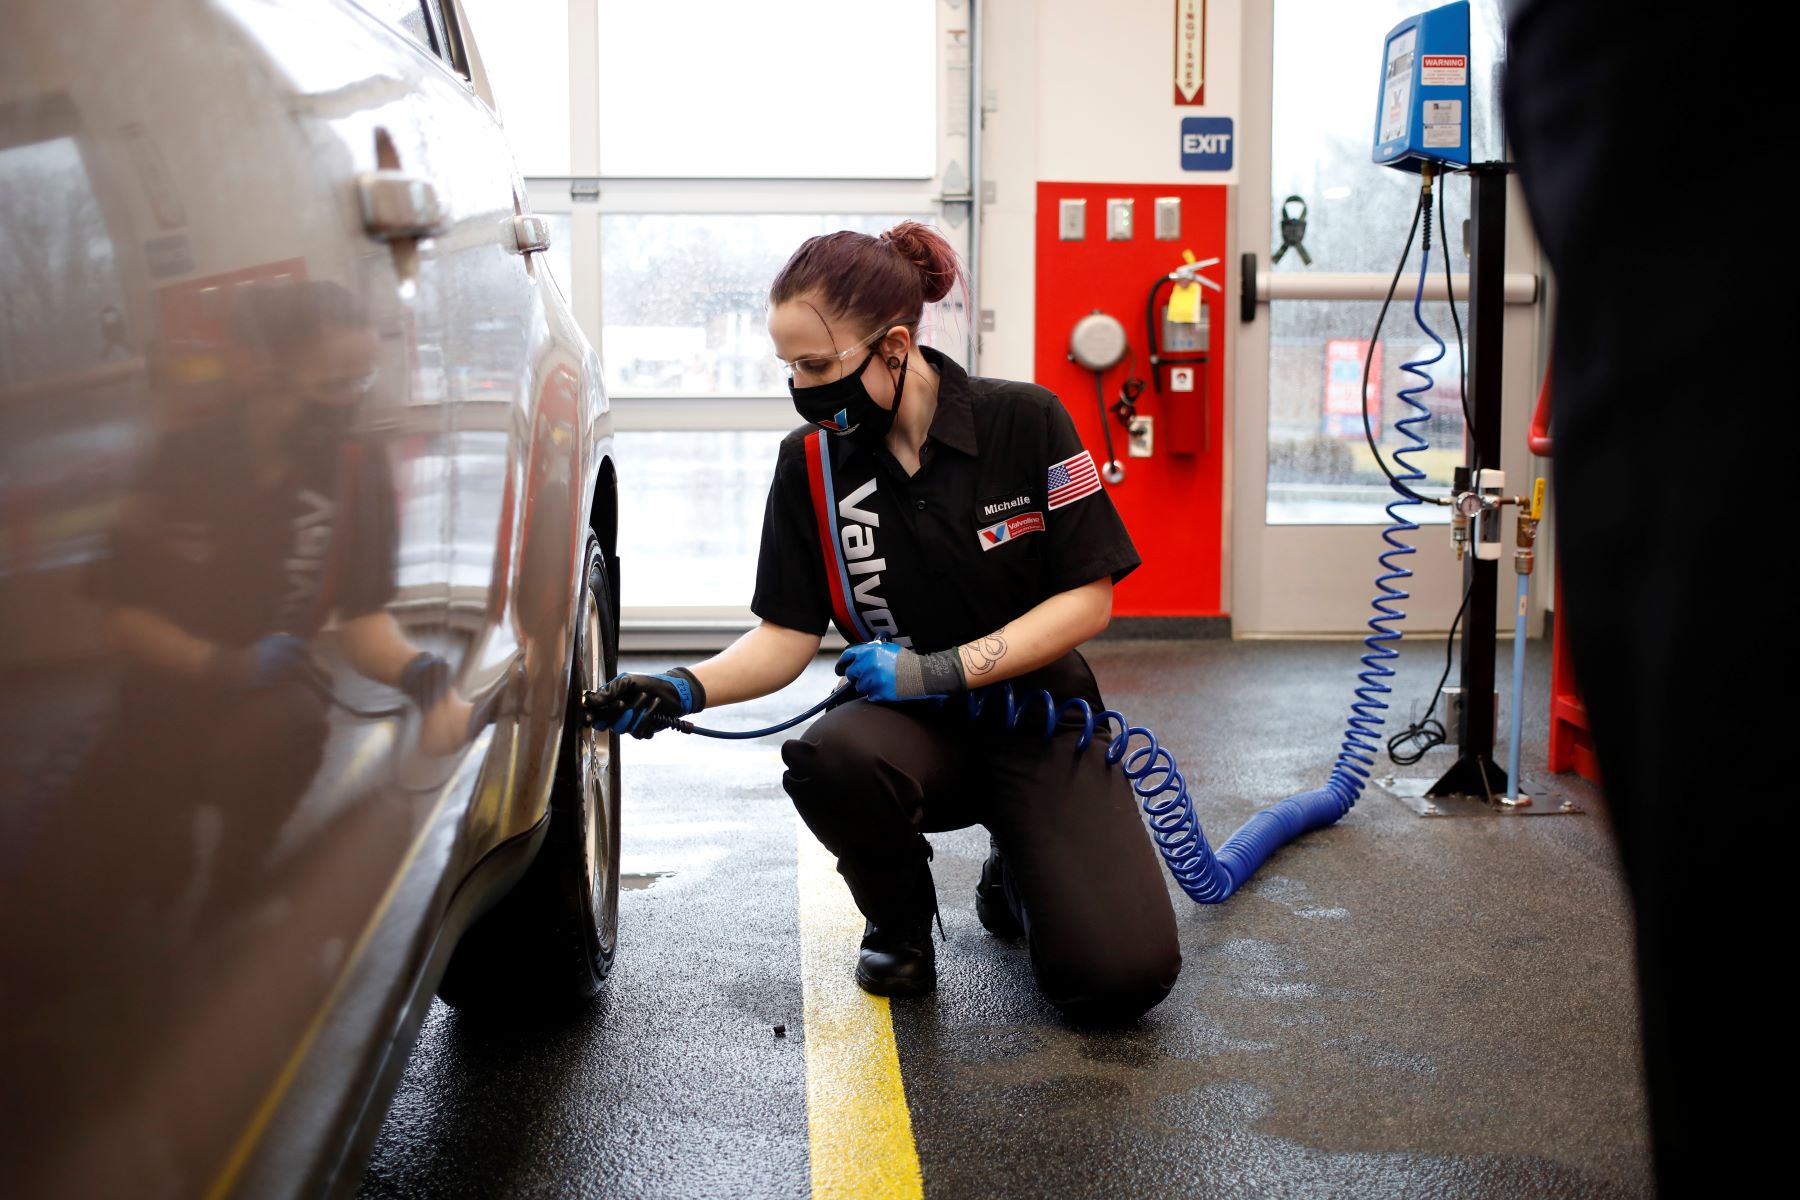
(1206, 143)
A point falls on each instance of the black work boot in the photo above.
(991, 909)
(897, 962)
(897, 898)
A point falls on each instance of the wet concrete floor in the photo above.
(1395, 1006)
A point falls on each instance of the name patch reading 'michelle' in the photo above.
(1001, 505)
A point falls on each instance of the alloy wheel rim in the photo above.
(596, 773)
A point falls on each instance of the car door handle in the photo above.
(529, 234)
(398, 207)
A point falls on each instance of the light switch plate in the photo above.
(1118, 220)
(1168, 218)
(1143, 437)
(1072, 220)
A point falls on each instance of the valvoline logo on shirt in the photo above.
(1005, 531)
(840, 422)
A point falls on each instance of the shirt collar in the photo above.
(954, 422)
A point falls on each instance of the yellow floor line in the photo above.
(860, 1130)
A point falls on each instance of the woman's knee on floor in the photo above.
(1108, 984)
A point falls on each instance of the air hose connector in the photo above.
(1525, 556)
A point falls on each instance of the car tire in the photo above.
(548, 944)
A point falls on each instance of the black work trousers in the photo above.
(1669, 588)
(1082, 877)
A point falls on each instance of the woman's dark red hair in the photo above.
(869, 281)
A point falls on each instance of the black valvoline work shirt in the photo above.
(1006, 511)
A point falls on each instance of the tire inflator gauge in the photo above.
(1423, 113)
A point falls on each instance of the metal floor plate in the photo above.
(1557, 801)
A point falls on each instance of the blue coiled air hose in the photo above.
(1356, 755)
(1210, 876)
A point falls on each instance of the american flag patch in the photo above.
(1071, 479)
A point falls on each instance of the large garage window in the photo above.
(704, 493)
(684, 298)
(676, 193)
(785, 89)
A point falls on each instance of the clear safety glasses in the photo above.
(824, 368)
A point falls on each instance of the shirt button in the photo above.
(919, 504)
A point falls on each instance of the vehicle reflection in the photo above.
(249, 528)
(283, 713)
(274, 683)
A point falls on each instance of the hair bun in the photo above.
(927, 250)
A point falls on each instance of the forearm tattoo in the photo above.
(984, 654)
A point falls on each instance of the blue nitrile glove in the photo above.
(264, 662)
(886, 672)
(676, 693)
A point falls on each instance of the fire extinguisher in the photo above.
(1179, 352)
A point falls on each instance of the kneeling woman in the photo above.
(956, 532)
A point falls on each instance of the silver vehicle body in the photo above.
(160, 163)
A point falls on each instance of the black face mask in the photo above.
(844, 406)
(319, 428)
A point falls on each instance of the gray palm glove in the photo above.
(885, 671)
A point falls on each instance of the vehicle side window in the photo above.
(434, 13)
(450, 36)
(411, 19)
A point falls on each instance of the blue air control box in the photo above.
(1424, 112)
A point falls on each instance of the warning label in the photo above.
(1444, 70)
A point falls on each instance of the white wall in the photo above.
(1081, 91)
